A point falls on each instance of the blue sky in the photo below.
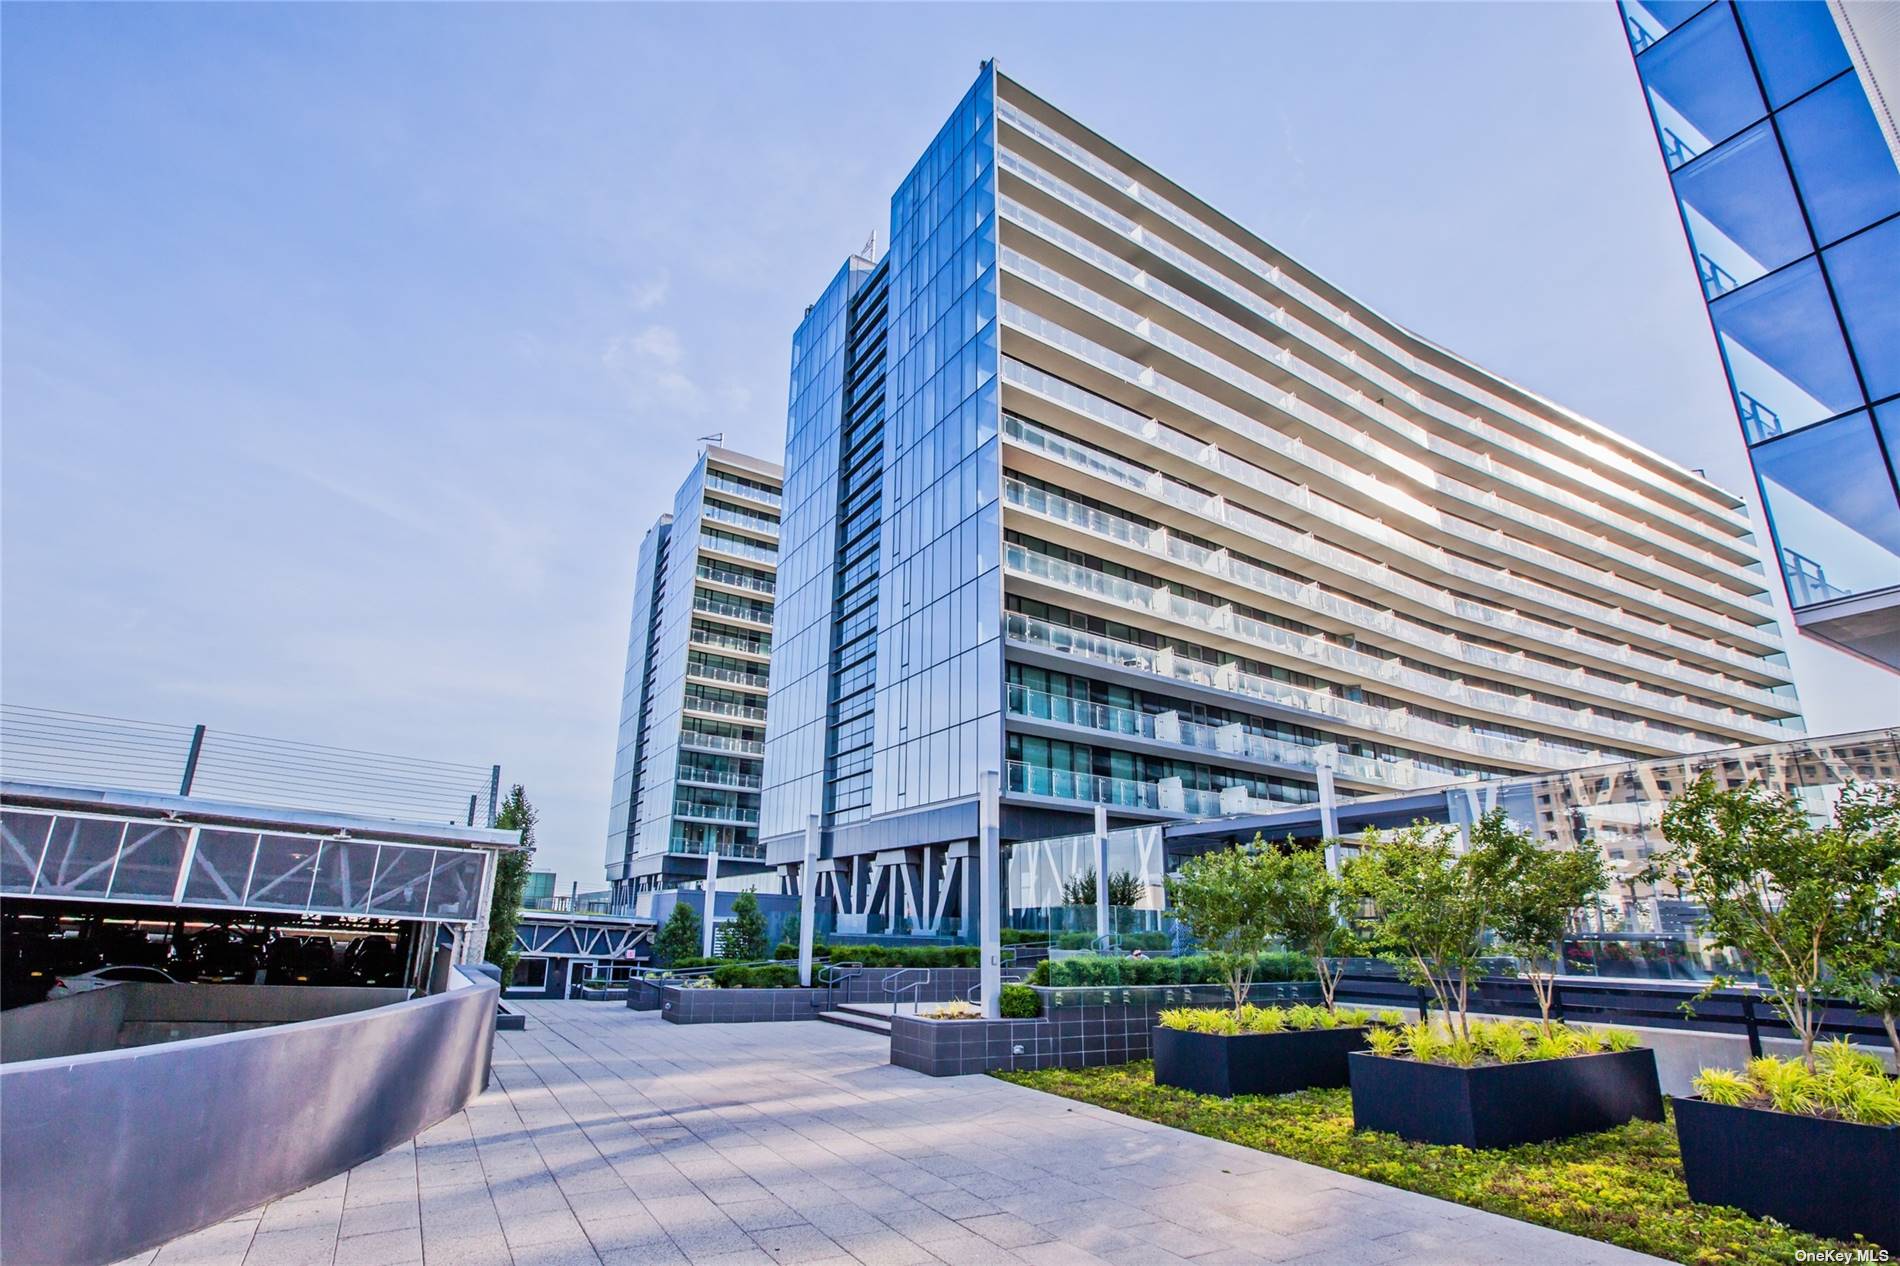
(350, 350)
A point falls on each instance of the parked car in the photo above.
(86, 982)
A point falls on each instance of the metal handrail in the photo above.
(1010, 976)
(906, 980)
(828, 976)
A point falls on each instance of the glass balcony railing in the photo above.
(718, 778)
(728, 676)
(1310, 597)
(726, 642)
(711, 812)
(1230, 741)
(1302, 498)
(1305, 649)
(735, 488)
(735, 579)
(732, 610)
(1398, 467)
(1390, 725)
(723, 708)
(739, 850)
(1350, 324)
(736, 548)
(721, 743)
(739, 519)
(1062, 784)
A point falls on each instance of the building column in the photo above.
(712, 899)
(991, 954)
(807, 900)
(1325, 756)
(1102, 928)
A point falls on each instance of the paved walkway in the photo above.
(612, 1137)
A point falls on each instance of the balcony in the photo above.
(733, 488)
(702, 811)
(738, 612)
(738, 850)
(693, 740)
(1379, 538)
(1351, 325)
(1164, 798)
(695, 777)
(1376, 497)
(725, 676)
(723, 708)
(726, 644)
(1312, 707)
(735, 579)
(740, 519)
(1214, 566)
(732, 547)
(1230, 742)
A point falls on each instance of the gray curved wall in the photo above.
(110, 1153)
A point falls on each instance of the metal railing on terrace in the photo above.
(1384, 724)
(731, 610)
(718, 778)
(1380, 536)
(1201, 617)
(1165, 796)
(736, 579)
(1163, 544)
(1142, 377)
(723, 708)
(1350, 397)
(76, 749)
(715, 812)
(739, 851)
(739, 519)
(762, 495)
(1352, 324)
(737, 548)
(713, 672)
(741, 645)
(721, 743)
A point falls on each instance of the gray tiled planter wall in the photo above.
(1079, 1028)
(944, 984)
(643, 995)
(737, 1006)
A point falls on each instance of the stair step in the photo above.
(858, 1020)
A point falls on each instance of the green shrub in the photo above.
(1848, 1083)
(1194, 969)
(765, 976)
(1253, 1019)
(1019, 1002)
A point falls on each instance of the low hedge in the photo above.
(766, 976)
(891, 955)
(1192, 969)
(1150, 941)
(1019, 1002)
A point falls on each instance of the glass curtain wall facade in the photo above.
(688, 769)
(1166, 523)
(1783, 161)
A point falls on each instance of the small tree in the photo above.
(745, 933)
(511, 881)
(1869, 966)
(1796, 898)
(1536, 893)
(788, 930)
(1303, 911)
(1125, 888)
(679, 937)
(1428, 907)
(1222, 897)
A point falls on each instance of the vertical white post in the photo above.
(712, 900)
(807, 900)
(1324, 757)
(1101, 871)
(990, 898)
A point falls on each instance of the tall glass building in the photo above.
(1785, 159)
(1089, 486)
(687, 768)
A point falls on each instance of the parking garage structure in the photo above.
(323, 1004)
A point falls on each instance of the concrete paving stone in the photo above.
(401, 1246)
(796, 1245)
(380, 1191)
(541, 1228)
(481, 1251)
(1056, 1253)
(646, 1255)
(606, 1203)
(1006, 1229)
(303, 1246)
(613, 1235)
(289, 1215)
(559, 1253)
(138, 1259)
(887, 1248)
(328, 1189)
(371, 1219)
(213, 1246)
(761, 1215)
(954, 1202)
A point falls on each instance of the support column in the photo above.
(807, 900)
(1325, 756)
(712, 900)
(991, 976)
(1101, 872)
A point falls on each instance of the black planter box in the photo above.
(1254, 1063)
(1502, 1105)
(1834, 1178)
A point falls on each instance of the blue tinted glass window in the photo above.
(1784, 351)
(1647, 22)
(1742, 215)
(1888, 416)
(1841, 161)
(1700, 85)
(1796, 44)
(1832, 505)
(1865, 271)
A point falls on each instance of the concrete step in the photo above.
(871, 1023)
